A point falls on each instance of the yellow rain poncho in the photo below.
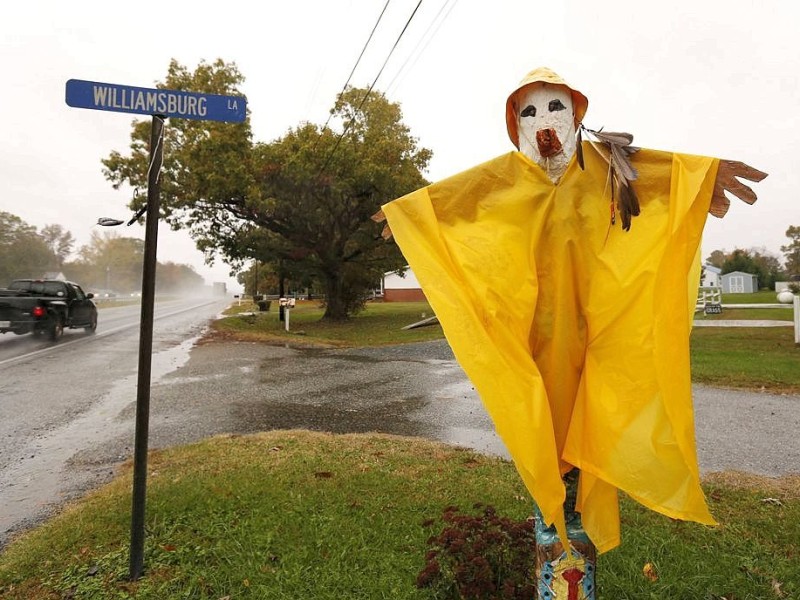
(574, 333)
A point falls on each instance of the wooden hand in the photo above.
(379, 217)
(727, 173)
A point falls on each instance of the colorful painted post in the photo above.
(562, 574)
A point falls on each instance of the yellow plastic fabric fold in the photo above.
(574, 333)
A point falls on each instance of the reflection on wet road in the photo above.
(414, 390)
(225, 387)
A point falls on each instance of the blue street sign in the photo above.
(146, 101)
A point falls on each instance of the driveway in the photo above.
(414, 390)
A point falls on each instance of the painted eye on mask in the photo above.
(555, 105)
(530, 111)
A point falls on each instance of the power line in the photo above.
(349, 77)
(374, 81)
(428, 41)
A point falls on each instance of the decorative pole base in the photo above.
(559, 576)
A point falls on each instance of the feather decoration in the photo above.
(628, 205)
(613, 137)
(616, 149)
(622, 163)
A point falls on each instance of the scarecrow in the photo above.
(564, 276)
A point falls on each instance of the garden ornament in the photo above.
(564, 276)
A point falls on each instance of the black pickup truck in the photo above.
(45, 306)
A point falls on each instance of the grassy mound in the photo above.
(295, 514)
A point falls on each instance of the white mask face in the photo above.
(547, 127)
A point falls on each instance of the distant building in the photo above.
(739, 282)
(711, 276)
(402, 286)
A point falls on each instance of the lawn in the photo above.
(786, 313)
(757, 358)
(294, 514)
(378, 324)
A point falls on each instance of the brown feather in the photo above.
(628, 205)
(622, 163)
(619, 138)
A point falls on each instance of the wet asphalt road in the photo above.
(413, 390)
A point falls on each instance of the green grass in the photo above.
(760, 297)
(744, 314)
(746, 357)
(378, 324)
(762, 358)
(749, 314)
(290, 515)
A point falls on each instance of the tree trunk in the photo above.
(335, 303)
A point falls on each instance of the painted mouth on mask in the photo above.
(548, 142)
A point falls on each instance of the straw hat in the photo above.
(541, 75)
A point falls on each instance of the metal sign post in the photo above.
(159, 104)
(146, 349)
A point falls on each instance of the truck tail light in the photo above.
(38, 311)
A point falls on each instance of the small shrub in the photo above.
(482, 557)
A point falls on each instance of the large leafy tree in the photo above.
(112, 262)
(175, 278)
(23, 252)
(716, 258)
(303, 201)
(59, 240)
(791, 251)
(109, 261)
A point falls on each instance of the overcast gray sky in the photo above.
(719, 78)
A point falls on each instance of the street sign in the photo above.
(147, 101)
(159, 104)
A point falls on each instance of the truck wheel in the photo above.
(92, 326)
(57, 328)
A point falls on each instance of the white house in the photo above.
(402, 286)
(711, 276)
(739, 282)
